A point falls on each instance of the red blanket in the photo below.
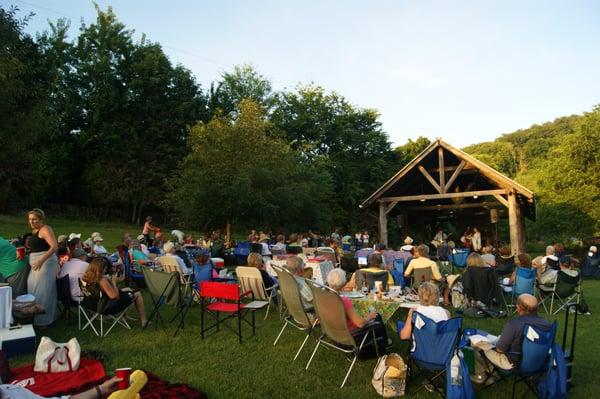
(90, 372)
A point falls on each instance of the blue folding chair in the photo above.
(433, 346)
(398, 272)
(241, 252)
(458, 257)
(130, 274)
(534, 356)
(524, 281)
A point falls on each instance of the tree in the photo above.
(243, 83)
(411, 149)
(236, 173)
(346, 141)
(28, 163)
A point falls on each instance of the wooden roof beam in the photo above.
(430, 179)
(452, 179)
(484, 204)
(501, 199)
(442, 170)
(442, 196)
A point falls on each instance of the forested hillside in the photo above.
(560, 162)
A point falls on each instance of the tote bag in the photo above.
(52, 357)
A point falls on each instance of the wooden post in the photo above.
(383, 232)
(515, 222)
(405, 225)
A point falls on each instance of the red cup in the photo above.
(123, 373)
(21, 253)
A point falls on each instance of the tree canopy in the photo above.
(106, 122)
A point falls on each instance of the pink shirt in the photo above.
(348, 307)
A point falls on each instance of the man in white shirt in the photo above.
(75, 269)
(169, 249)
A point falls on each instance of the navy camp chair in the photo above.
(433, 346)
(535, 353)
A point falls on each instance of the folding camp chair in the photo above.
(220, 298)
(433, 346)
(565, 291)
(335, 333)
(241, 252)
(398, 272)
(329, 254)
(131, 275)
(91, 309)
(420, 276)
(459, 258)
(63, 294)
(250, 279)
(298, 316)
(368, 279)
(534, 355)
(169, 264)
(165, 289)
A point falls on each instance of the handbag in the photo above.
(52, 357)
(389, 376)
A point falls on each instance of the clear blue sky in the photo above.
(466, 71)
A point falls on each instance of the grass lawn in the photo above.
(223, 368)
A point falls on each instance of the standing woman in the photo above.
(41, 282)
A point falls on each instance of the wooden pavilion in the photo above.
(444, 179)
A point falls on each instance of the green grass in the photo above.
(223, 368)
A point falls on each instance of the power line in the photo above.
(182, 51)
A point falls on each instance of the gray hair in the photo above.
(295, 265)
(336, 279)
(550, 250)
(423, 250)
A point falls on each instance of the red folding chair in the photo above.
(226, 298)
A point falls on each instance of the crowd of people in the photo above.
(89, 264)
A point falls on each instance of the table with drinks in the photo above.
(387, 303)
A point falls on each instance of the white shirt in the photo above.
(184, 269)
(99, 249)
(75, 269)
(10, 391)
(435, 313)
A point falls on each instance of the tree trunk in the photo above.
(228, 232)
(134, 213)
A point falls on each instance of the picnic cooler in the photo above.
(19, 340)
(389, 376)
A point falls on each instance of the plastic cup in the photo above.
(21, 253)
(123, 373)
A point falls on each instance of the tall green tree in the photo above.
(29, 164)
(134, 110)
(243, 83)
(346, 141)
(237, 174)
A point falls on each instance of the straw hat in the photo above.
(408, 240)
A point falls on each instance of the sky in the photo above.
(465, 71)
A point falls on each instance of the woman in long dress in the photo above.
(41, 282)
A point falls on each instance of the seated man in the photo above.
(374, 265)
(505, 354)
(422, 261)
(170, 250)
(12, 269)
(295, 265)
(75, 268)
